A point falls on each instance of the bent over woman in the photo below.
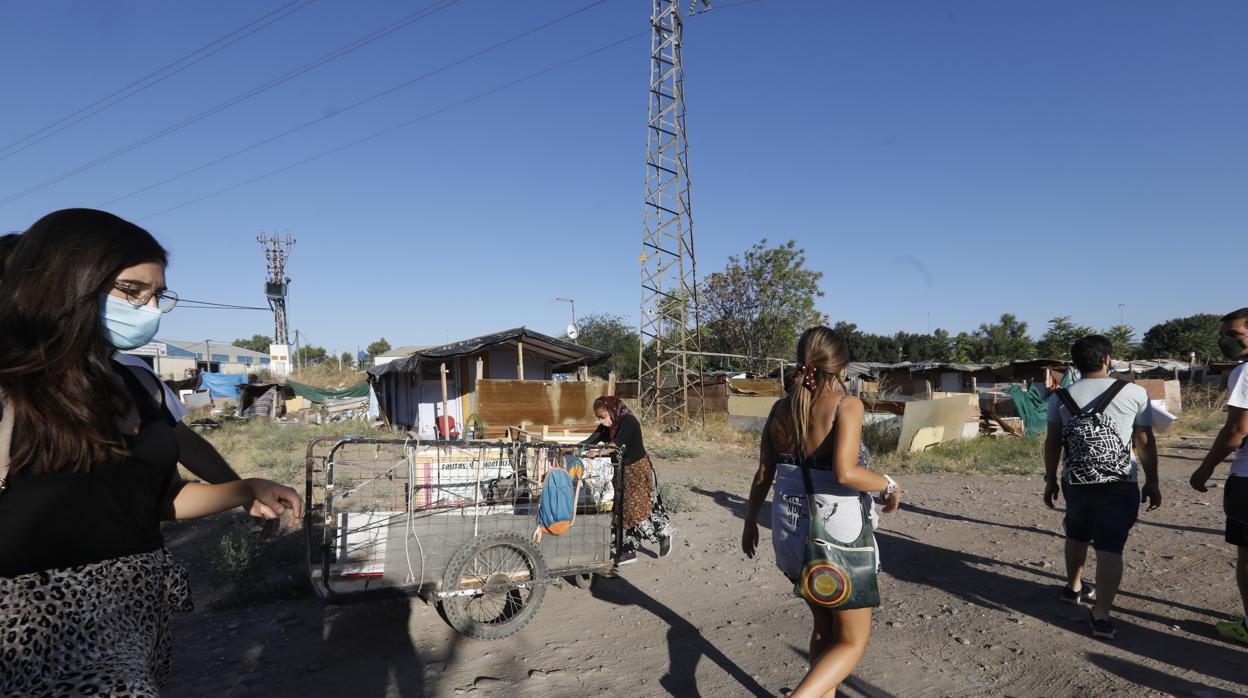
(644, 517)
(88, 465)
(817, 427)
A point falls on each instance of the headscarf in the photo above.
(616, 408)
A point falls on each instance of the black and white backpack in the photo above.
(1095, 452)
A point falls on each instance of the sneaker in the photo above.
(626, 557)
(1233, 629)
(665, 546)
(1103, 628)
(1085, 596)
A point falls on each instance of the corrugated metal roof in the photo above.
(566, 354)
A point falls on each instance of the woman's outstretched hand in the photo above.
(277, 498)
(749, 539)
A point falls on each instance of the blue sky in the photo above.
(950, 161)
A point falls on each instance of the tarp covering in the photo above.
(1031, 406)
(222, 384)
(320, 395)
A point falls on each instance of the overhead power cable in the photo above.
(360, 103)
(152, 79)
(208, 305)
(402, 125)
(238, 99)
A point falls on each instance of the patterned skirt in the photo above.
(645, 517)
(97, 629)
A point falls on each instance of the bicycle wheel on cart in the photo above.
(496, 584)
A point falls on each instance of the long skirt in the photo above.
(645, 518)
(97, 629)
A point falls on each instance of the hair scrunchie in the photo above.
(807, 373)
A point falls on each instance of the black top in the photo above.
(65, 519)
(627, 438)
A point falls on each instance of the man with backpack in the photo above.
(1104, 428)
(1233, 439)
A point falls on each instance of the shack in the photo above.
(504, 380)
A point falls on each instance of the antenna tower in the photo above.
(669, 303)
(276, 283)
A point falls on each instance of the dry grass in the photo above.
(326, 375)
(274, 450)
(1204, 411)
(715, 436)
(1013, 455)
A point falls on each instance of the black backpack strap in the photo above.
(1108, 396)
(1069, 402)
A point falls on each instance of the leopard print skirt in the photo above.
(100, 629)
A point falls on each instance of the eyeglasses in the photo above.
(138, 297)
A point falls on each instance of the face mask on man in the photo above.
(126, 326)
(1232, 347)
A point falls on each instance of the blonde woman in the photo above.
(818, 413)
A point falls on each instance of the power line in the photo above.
(173, 68)
(359, 103)
(399, 126)
(208, 305)
(264, 87)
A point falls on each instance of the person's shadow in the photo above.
(972, 578)
(685, 644)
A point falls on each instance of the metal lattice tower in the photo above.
(668, 270)
(276, 251)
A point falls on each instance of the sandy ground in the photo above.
(972, 566)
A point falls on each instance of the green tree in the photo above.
(381, 346)
(309, 355)
(258, 342)
(1004, 340)
(761, 302)
(1123, 339)
(1174, 339)
(1056, 341)
(968, 348)
(346, 359)
(937, 346)
(610, 333)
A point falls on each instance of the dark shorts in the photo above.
(1235, 502)
(1101, 514)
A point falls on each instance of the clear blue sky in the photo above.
(1054, 158)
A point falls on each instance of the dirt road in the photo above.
(972, 566)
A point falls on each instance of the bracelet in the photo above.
(892, 486)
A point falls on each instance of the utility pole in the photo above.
(669, 302)
(276, 283)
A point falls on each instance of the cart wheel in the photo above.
(581, 581)
(494, 564)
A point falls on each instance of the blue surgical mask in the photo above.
(126, 326)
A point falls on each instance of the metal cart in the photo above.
(452, 522)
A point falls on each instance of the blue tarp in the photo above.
(222, 384)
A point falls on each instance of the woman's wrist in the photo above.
(892, 486)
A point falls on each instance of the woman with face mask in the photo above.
(88, 464)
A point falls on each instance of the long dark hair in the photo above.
(55, 361)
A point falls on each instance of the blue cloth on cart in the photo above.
(557, 508)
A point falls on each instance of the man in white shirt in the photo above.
(1101, 513)
(1233, 340)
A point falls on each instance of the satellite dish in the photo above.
(573, 331)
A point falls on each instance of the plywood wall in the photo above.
(504, 403)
